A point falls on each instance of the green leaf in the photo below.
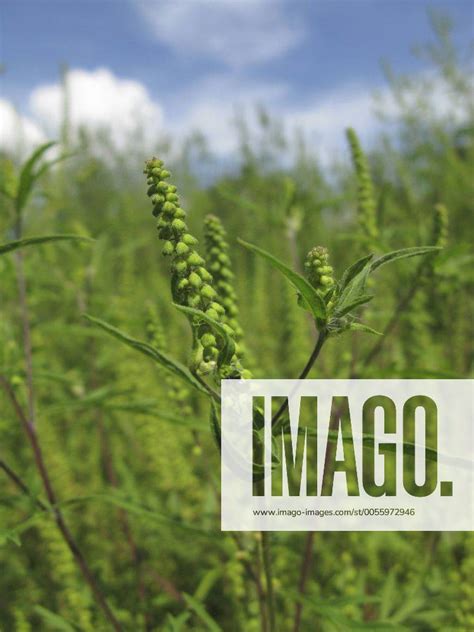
(13, 534)
(354, 270)
(349, 307)
(365, 328)
(27, 177)
(54, 621)
(32, 241)
(331, 612)
(370, 443)
(310, 296)
(171, 365)
(47, 166)
(354, 288)
(227, 352)
(200, 612)
(206, 583)
(405, 253)
(154, 516)
(175, 624)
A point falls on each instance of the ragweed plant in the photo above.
(217, 251)
(366, 204)
(191, 282)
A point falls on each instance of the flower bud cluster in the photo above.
(220, 267)
(178, 393)
(440, 226)
(367, 214)
(318, 271)
(192, 283)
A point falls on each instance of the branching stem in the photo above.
(30, 431)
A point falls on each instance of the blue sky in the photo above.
(182, 64)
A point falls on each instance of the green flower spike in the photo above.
(191, 282)
(220, 267)
(440, 226)
(367, 213)
(318, 271)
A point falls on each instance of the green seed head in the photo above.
(178, 225)
(181, 249)
(194, 300)
(180, 267)
(195, 280)
(208, 340)
(192, 282)
(168, 248)
(208, 292)
(212, 313)
(318, 272)
(195, 260)
(189, 240)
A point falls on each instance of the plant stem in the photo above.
(307, 368)
(12, 475)
(392, 323)
(304, 574)
(267, 565)
(214, 394)
(30, 431)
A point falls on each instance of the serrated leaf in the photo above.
(404, 253)
(365, 328)
(27, 177)
(349, 307)
(33, 241)
(199, 610)
(227, 352)
(310, 296)
(171, 365)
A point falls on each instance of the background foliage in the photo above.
(128, 448)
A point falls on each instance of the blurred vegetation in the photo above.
(128, 449)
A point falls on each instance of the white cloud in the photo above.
(99, 100)
(324, 119)
(213, 113)
(237, 33)
(18, 134)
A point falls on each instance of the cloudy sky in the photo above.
(179, 65)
